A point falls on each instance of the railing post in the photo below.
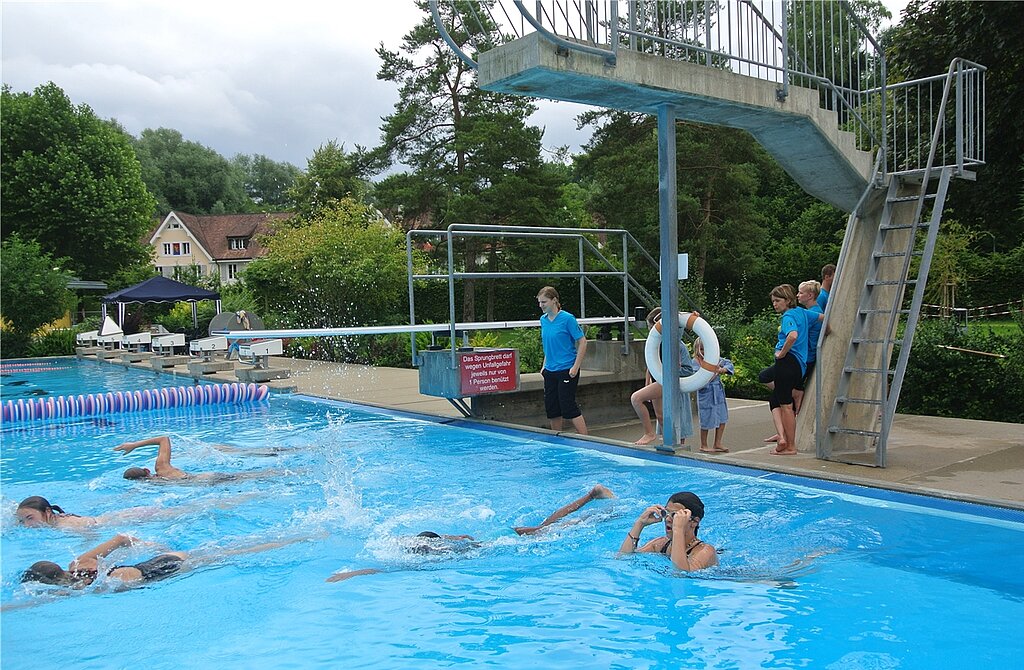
(583, 295)
(451, 291)
(613, 19)
(782, 93)
(959, 118)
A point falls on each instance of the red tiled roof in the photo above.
(213, 232)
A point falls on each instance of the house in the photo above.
(221, 244)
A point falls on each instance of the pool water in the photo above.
(808, 577)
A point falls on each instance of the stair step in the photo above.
(854, 431)
(910, 198)
(870, 371)
(903, 226)
(858, 340)
(890, 282)
(861, 401)
(883, 311)
(892, 254)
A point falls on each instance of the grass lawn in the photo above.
(1002, 327)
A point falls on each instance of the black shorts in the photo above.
(560, 394)
(786, 374)
(807, 375)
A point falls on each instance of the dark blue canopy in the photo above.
(161, 289)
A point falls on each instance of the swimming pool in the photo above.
(892, 583)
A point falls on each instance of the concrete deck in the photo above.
(979, 461)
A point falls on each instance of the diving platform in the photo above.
(803, 137)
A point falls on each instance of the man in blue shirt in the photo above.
(828, 275)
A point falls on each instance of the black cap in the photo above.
(690, 501)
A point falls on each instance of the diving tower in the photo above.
(808, 80)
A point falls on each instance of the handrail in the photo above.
(873, 185)
(581, 235)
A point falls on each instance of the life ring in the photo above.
(693, 322)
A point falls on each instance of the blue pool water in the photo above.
(808, 577)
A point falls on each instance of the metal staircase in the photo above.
(869, 389)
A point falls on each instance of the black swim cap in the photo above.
(690, 501)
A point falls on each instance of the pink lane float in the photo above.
(95, 404)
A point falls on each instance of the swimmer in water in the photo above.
(85, 569)
(36, 512)
(682, 515)
(429, 542)
(167, 472)
(599, 492)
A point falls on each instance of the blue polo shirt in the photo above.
(813, 330)
(793, 320)
(559, 339)
(822, 299)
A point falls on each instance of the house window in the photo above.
(238, 243)
(232, 270)
(177, 248)
(173, 225)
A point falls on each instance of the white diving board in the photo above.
(412, 328)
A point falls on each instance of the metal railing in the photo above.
(947, 110)
(632, 254)
(818, 45)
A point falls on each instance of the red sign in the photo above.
(489, 371)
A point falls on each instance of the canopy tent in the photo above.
(159, 289)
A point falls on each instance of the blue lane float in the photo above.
(96, 404)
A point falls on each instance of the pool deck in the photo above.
(963, 459)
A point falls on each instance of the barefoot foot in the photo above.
(646, 439)
(783, 452)
(773, 438)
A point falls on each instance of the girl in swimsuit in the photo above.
(36, 511)
(84, 570)
(682, 515)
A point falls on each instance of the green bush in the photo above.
(59, 342)
(531, 352)
(948, 382)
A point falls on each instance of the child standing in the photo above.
(711, 407)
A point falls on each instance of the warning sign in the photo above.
(489, 371)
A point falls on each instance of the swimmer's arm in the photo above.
(349, 574)
(704, 557)
(129, 447)
(631, 544)
(265, 546)
(90, 559)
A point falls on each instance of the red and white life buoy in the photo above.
(693, 322)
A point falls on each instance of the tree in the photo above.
(472, 157)
(33, 293)
(189, 177)
(267, 181)
(345, 267)
(72, 183)
(331, 175)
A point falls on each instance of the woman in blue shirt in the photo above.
(788, 369)
(565, 345)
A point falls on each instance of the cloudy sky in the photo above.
(255, 77)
